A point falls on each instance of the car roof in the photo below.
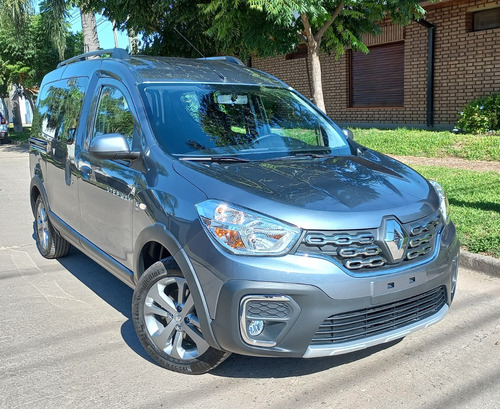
(147, 69)
(197, 70)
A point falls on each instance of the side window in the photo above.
(59, 106)
(113, 114)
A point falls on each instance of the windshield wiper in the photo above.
(304, 155)
(233, 159)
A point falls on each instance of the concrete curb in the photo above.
(478, 262)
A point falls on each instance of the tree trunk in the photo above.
(29, 97)
(89, 29)
(313, 43)
(4, 106)
(133, 42)
(317, 84)
(115, 35)
(16, 111)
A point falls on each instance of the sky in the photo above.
(104, 30)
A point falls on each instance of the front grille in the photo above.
(367, 250)
(364, 323)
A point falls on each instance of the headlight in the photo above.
(242, 231)
(444, 206)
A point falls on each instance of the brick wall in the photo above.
(467, 62)
(467, 65)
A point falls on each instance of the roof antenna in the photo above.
(202, 56)
(189, 42)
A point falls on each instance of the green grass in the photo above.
(474, 196)
(475, 206)
(20, 136)
(407, 142)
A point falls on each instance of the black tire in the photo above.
(166, 323)
(49, 242)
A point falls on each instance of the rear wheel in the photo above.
(48, 240)
(167, 324)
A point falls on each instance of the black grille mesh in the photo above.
(364, 323)
(267, 309)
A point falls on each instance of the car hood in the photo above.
(318, 193)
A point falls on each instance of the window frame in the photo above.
(109, 82)
(476, 13)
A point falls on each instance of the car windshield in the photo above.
(254, 122)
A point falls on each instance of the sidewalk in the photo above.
(456, 163)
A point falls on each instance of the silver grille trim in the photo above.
(355, 252)
(419, 252)
(321, 239)
(371, 262)
(421, 240)
(372, 250)
(423, 228)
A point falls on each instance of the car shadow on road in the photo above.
(239, 366)
(14, 147)
(119, 296)
(110, 289)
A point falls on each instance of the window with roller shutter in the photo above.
(377, 78)
(486, 19)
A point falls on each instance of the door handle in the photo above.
(85, 169)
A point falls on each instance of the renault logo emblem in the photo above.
(395, 239)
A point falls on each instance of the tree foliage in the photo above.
(160, 22)
(258, 27)
(263, 27)
(15, 13)
(55, 13)
(26, 56)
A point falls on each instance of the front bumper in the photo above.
(306, 292)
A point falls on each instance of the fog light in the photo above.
(255, 328)
(265, 318)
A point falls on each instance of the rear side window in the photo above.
(59, 107)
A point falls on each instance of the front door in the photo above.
(107, 188)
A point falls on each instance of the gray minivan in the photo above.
(243, 217)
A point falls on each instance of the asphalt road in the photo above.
(67, 341)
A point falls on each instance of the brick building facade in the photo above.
(466, 66)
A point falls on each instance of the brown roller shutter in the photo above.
(377, 78)
(486, 19)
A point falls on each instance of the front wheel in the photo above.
(167, 324)
(48, 240)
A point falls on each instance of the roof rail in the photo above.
(227, 58)
(119, 53)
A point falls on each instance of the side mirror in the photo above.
(112, 146)
(348, 133)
